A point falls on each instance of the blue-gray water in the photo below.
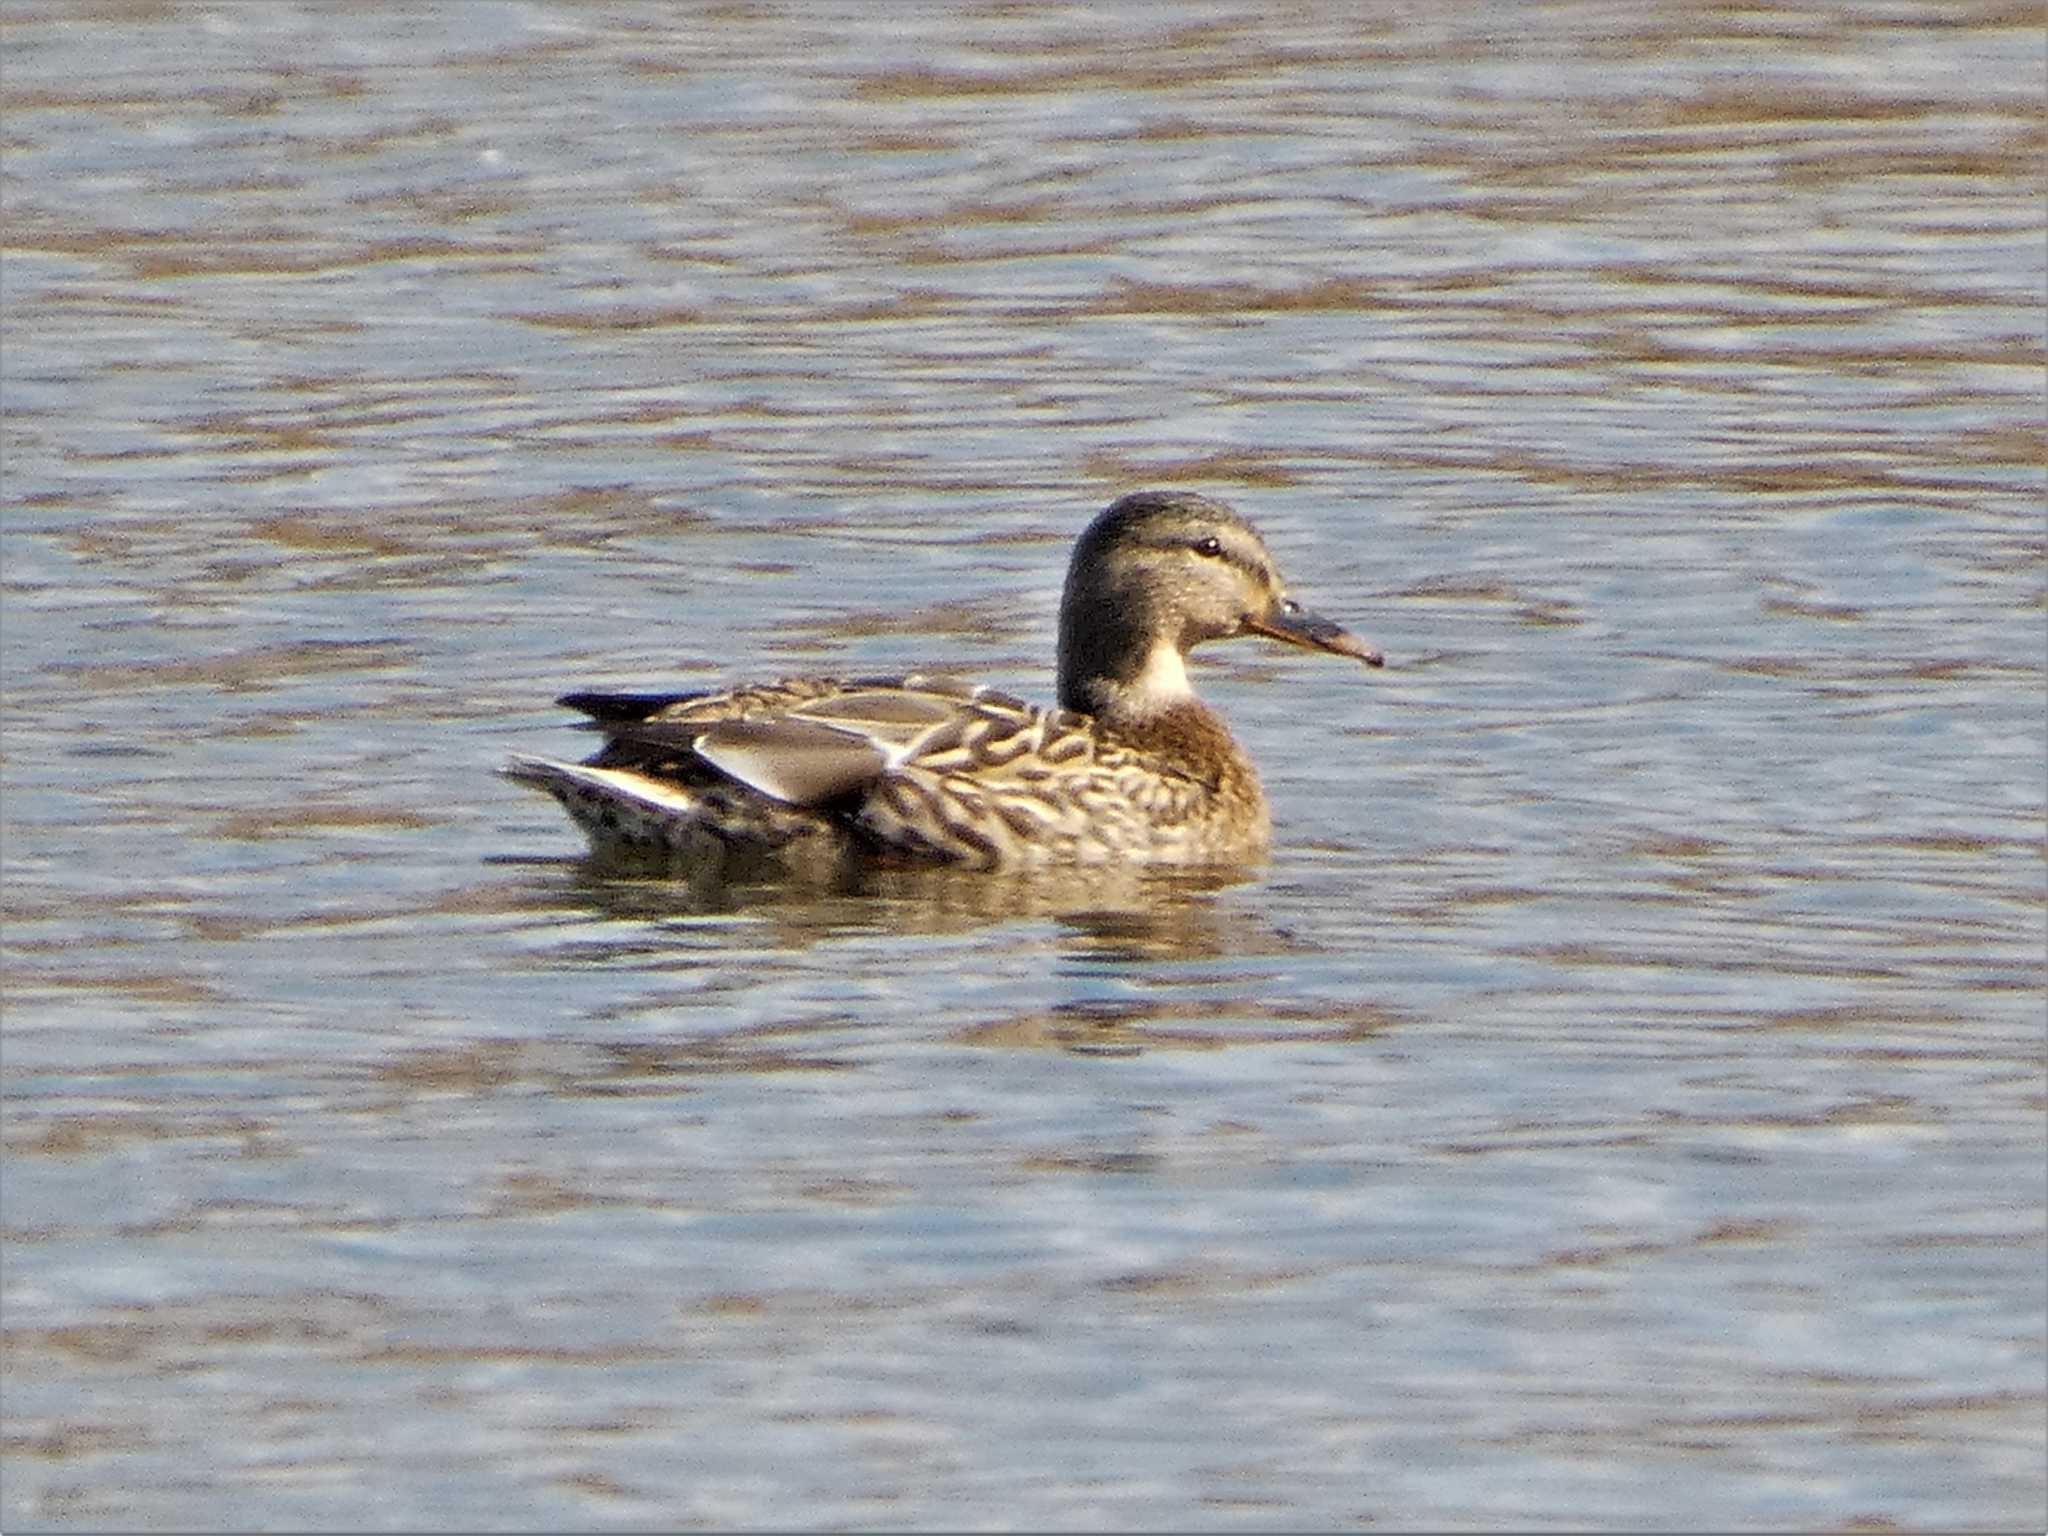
(1620, 1101)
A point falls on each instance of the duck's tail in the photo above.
(618, 807)
(715, 828)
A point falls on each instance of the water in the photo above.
(1620, 1101)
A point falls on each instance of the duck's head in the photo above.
(1155, 575)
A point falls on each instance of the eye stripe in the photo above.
(1228, 554)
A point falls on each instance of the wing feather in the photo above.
(791, 759)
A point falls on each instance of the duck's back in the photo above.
(918, 767)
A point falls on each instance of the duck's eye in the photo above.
(1210, 546)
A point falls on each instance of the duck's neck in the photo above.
(1140, 686)
(1137, 685)
(1114, 662)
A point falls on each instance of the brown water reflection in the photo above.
(1160, 914)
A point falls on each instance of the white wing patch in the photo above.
(608, 783)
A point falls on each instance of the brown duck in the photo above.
(1130, 768)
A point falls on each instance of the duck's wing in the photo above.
(608, 711)
(803, 741)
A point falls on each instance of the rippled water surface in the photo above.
(1619, 1102)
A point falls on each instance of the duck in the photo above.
(1129, 767)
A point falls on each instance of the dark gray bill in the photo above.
(1287, 620)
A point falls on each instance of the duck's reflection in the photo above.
(1106, 916)
(1184, 966)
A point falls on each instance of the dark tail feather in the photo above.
(621, 708)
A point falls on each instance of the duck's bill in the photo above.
(1291, 622)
